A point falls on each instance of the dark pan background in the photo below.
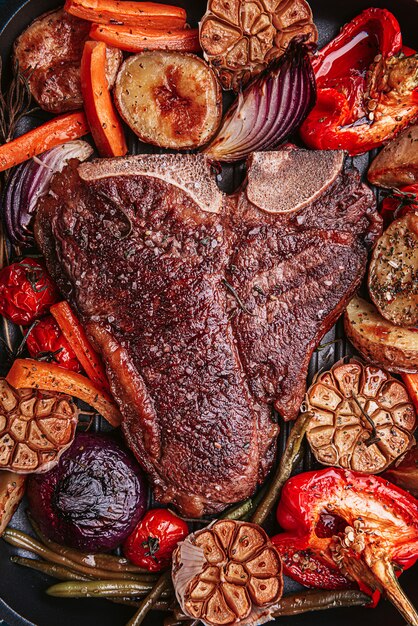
(23, 601)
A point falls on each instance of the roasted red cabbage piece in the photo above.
(93, 498)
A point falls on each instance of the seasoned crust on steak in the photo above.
(205, 320)
(49, 52)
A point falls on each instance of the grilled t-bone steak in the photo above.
(206, 308)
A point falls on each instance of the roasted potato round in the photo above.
(380, 341)
(393, 272)
(169, 99)
(397, 164)
(49, 51)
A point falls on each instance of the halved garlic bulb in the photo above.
(363, 418)
(228, 573)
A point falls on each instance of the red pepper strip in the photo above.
(77, 338)
(381, 531)
(366, 88)
(399, 203)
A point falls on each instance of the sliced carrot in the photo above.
(59, 130)
(128, 13)
(411, 382)
(103, 120)
(77, 338)
(28, 373)
(134, 39)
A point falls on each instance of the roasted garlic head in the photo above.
(227, 573)
(240, 37)
(363, 418)
(35, 428)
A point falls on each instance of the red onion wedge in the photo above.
(29, 182)
(269, 109)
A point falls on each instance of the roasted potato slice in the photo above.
(49, 51)
(169, 99)
(393, 272)
(380, 341)
(397, 164)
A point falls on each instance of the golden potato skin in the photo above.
(49, 52)
(378, 340)
(393, 272)
(397, 164)
(169, 99)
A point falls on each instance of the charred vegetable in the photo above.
(375, 529)
(50, 377)
(169, 99)
(12, 489)
(397, 163)
(393, 272)
(105, 125)
(26, 291)
(363, 418)
(154, 539)
(367, 86)
(240, 38)
(269, 109)
(49, 53)
(31, 181)
(380, 341)
(35, 428)
(94, 497)
(45, 341)
(227, 572)
(51, 134)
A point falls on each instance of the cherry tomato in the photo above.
(399, 203)
(46, 341)
(153, 541)
(26, 291)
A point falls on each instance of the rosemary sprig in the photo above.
(374, 438)
(15, 103)
(240, 303)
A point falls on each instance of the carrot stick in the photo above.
(411, 382)
(128, 13)
(134, 39)
(53, 133)
(103, 120)
(28, 373)
(77, 338)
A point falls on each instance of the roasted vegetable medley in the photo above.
(115, 78)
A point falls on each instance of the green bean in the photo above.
(100, 561)
(56, 571)
(238, 511)
(22, 540)
(303, 602)
(101, 589)
(148, 603)
(284, 470)
(160, 605)
(63, 573)
(318, 600)
(183, 620)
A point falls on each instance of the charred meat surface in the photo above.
(206, 319)
(49, 52)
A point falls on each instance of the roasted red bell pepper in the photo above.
(367, 87)
(399, 202)
(374, 530)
